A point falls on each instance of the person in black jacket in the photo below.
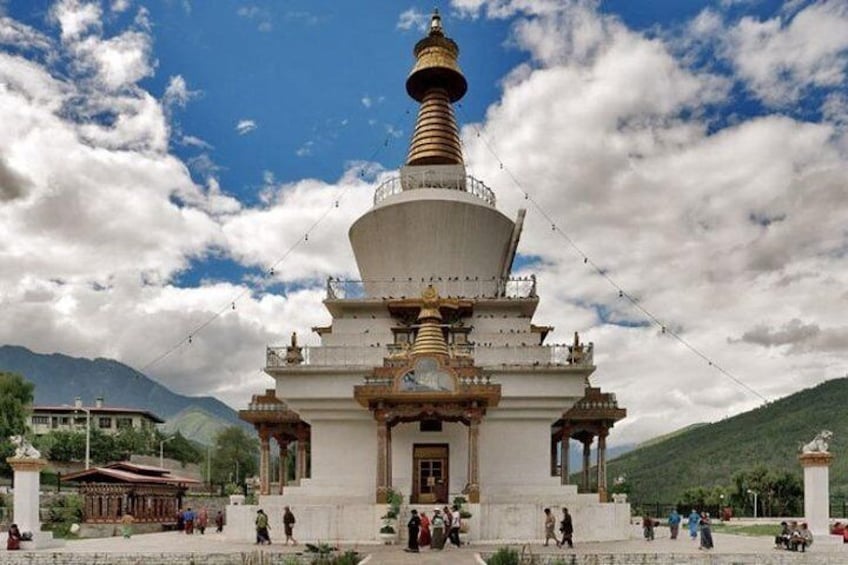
(413, 526)
(566, 528)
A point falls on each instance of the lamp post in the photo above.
(78, 406)
(755, 493)
(162, 451)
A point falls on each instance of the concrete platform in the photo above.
(176, 547)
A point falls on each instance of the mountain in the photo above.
(771, 435)
(195, 424)
(59, 379)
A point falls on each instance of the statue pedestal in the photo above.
(817, 493)
(26, 502)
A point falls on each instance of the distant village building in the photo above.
(107, 419)
(432, 379)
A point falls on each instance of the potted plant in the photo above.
(464, 514)
(389, 531)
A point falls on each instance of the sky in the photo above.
(181, 168)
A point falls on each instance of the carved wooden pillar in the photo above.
(564, 455)
(283, 444)
(264, 461)
(388, 455)
(602, 464)
(473, 458)
(382, 450)
(300, 454)
(587, 452)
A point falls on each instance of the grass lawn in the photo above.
(769, 530)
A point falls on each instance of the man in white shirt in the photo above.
(456, 522)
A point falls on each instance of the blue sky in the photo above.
(159, 158)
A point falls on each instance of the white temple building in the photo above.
(432, 379)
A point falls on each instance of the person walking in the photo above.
(648, 527)
(219, 522)
(438, 526)
(188, 519)
(262, 535)
(455, 524)
(550, 525)
(13, 542)
(126, 525)
(706, 532)
(566, 528)
(412, 527)
(288, 525)
(202, 520)
(674, 520)
(424, 538)
(694, 519)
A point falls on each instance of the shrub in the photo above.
(504, 556)
(66, 510)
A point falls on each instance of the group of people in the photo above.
(188, 520)
(793, 537)
(262, 527)
(566, 528)
(423, 531)
(699, 523)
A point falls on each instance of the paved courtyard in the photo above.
(738, 549)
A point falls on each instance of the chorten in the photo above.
(431, 380)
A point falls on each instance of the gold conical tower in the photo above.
(436, 82)
(430, 340)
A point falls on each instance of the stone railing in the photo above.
(435, 179)
(484, 356)
(454, 287)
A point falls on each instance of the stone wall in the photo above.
(242, 558)
(779, 558)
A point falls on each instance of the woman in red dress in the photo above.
(424, 536)
(14, 541)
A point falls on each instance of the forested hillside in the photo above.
(770, 436)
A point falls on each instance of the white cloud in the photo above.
(252, 12)
(781, 58)
(731, 234)
(305, 150)
(21, 36)
(413, 19)
(118, 6)
(366, 101)
(721, 234)
(177, 93)
(245, 126)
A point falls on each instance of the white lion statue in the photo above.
(819, 443)
(24, 449)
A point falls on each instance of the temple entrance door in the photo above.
(429, 473)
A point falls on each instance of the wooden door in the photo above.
(430, 473)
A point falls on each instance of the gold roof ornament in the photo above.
(436, 82)
(430, 340)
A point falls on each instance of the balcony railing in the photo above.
(457, 287)
(435, 179)
(484, 356)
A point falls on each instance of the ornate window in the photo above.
(426, 376)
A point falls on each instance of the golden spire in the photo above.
(430, 340)
(436, 82)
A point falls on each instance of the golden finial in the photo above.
(436, 82)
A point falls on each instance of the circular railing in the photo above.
(469, 184)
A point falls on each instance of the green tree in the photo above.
(15, 404)
(179, 448)
(62, 445)
(235, 456)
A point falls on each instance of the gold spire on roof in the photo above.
(436, 82)
(430, 340)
